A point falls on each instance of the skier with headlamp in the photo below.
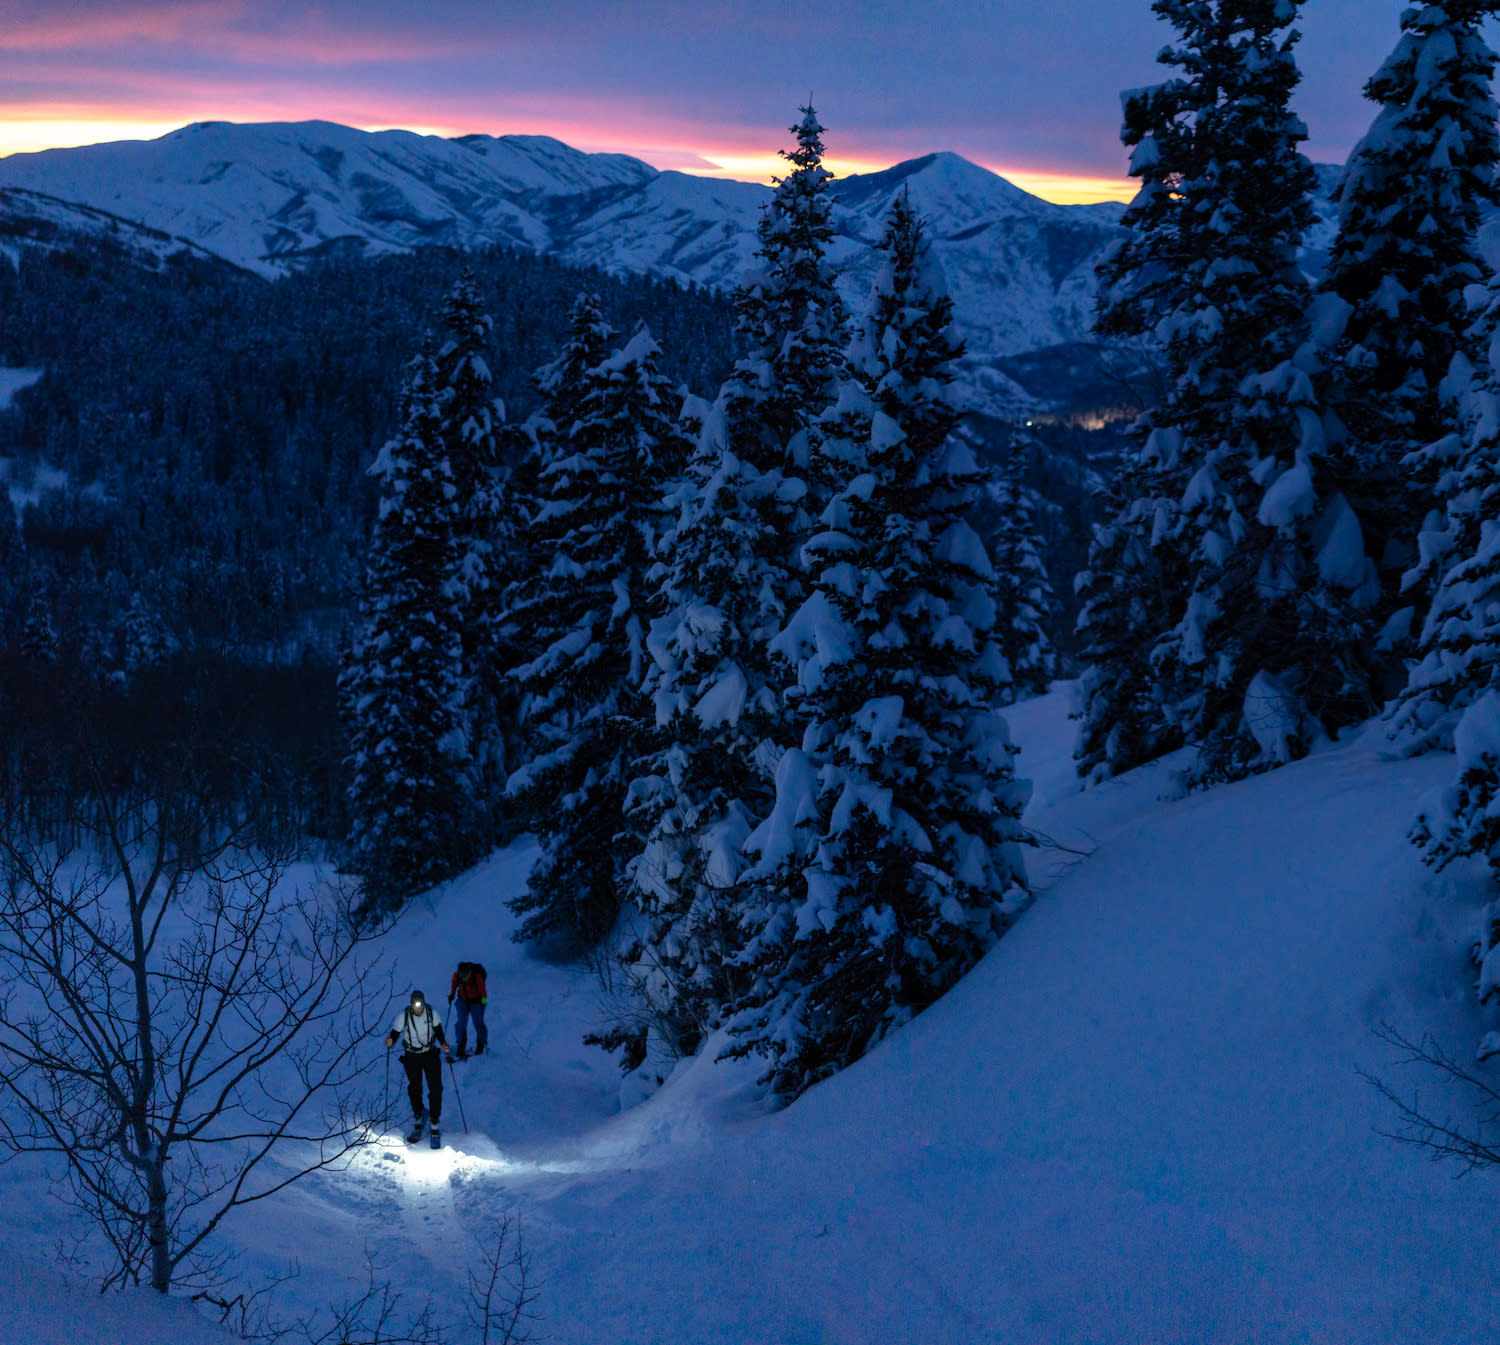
(420, 1032)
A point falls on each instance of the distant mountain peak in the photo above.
(269, 196)
(944, 182)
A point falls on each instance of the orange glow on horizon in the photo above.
(69, 127)
(68, 132)
(1068, 188)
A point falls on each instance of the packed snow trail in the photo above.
(1138, 1120)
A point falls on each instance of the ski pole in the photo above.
(385, 1115)
(457, 1096)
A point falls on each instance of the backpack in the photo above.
(468, 970)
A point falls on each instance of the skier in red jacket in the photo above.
(468, 991)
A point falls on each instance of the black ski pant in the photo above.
(428, 1064)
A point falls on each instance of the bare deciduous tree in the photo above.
(173, 1014)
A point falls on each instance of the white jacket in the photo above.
(419, 1035)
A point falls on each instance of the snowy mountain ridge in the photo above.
(267, 197)
(33, 219)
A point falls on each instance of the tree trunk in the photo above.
(156, 1223)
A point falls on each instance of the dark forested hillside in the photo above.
(193, 461)
(213, 428)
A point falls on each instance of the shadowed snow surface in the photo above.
(1139, 1120)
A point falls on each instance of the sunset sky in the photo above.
(1029, 89)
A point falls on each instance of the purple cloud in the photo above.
(1009, 84)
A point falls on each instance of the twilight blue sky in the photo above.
(1030, 89)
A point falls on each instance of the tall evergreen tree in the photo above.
(788, 314)
(1236, 540)
(466, 399)
(601, 487)
(143, 639)
(1453, 696)
(402, 683)
(1410, 203)
(38, 634)
(1023, 589)
(1128, 598)
(1459, 644)
(730, 572)
(719, 728)
(893, 844)
(532, 530)
(482, 535)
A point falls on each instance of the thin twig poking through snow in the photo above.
(1046, 842)
(502, 1295)
(1446, 1139)
(501, 1306)
(374, 1318)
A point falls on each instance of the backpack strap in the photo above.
(406, 1040)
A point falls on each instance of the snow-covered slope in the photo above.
(265, 196)
(1139, 1120)
(33, 219)
(38, 1306)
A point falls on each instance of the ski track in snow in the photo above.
(1138, 1120)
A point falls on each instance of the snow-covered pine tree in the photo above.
(893, 848)
(483, 537)
(1132, 590)
(1459, 646)
(730, 572)
(1022, 588)
(601, 484)
(38, 634)
(1128, 597)
(143, 639)
(1410, 203)
(402, 684)
(1258, 557)
(718, 729)
(532, 447)
(790, 320)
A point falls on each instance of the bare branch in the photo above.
(1470, 1145)
(502, 1294)
(171, 1016)
(373, 1318)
